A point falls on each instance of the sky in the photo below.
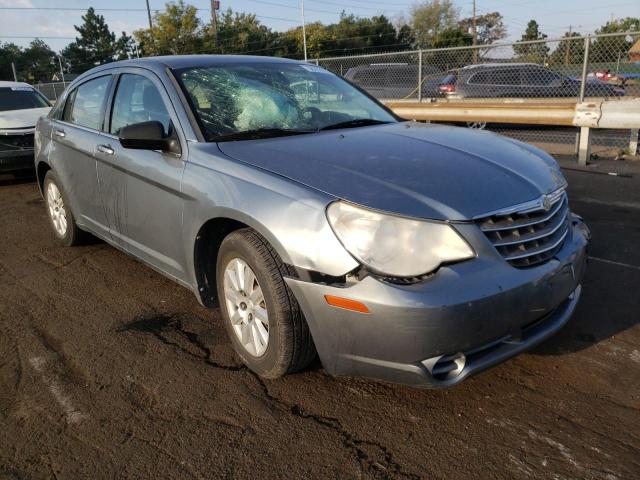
(56, 26)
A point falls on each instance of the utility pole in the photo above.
(474, 34)
(215, 6)
(61, 71)
(149, 16)
(304, 32)
(566, 53)
(13, 69)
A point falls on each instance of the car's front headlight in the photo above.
(395, 246)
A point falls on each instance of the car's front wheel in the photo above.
(62, 220)
(263, 320)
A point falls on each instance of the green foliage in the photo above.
(568, 52)
(239, 33)
(36, 63)
(532, 52)
(431, 18)
(95, 45)
(610, 49)
(176, 31)
(489, 27)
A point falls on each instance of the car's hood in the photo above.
(25, 118)
(412, 169)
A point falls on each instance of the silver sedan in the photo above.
(318, 221)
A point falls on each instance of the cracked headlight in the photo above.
(396, 246)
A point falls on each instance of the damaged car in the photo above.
(314, 218)
(20, 107)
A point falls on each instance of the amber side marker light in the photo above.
(346, 303)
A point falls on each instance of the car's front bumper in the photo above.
(484, 308)
(15, 160)
(16, 149)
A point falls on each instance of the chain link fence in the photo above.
(51, 90)
(570, 69)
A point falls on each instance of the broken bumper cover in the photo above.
(470, 315)
(16, 150)
(16, 160)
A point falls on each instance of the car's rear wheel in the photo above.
(62, 220)
(263, 320)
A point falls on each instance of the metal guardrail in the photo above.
(553, 76)
(596, 113)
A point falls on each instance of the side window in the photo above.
(481, 78)
(137, 100)
(85, 105)
(370, 78)
(496, 76)
(538, 76)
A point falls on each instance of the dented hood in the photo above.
(412, 169)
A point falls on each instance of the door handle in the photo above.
(106, 149)
(59, 133)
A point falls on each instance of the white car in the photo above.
(20, 108)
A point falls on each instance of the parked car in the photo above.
(395, 80)
(518, 80)
(20, 108)
(397, 250)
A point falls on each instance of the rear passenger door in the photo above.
(141, 188)
(540, 82)
(75, 136)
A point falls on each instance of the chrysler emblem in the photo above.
(546, 202)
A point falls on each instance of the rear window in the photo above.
(508, 76)
(449, 79)
(20, 98)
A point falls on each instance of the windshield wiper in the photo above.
(356, 122)
(258, 133)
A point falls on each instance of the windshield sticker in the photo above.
(314, 69)
(22, 89)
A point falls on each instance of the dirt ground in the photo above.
(109, 370)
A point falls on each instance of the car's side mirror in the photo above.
(149, 136)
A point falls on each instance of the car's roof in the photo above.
(497, 64)
(5, 84)
(184, 61)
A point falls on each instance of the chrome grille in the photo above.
(529, 235)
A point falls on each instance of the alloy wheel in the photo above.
(57, 210)
(246, 307)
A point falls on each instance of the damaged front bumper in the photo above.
(464, 319)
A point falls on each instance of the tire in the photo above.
(288, 347)
(62, 220)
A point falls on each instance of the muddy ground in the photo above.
(109, 370)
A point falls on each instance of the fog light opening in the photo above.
(449, 366)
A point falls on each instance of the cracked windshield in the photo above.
(240, 100)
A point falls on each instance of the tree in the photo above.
(95, 45)
(406, 36)
(240, 33)
(431, 18)
(611, 49)
(175, 31)
(569, 51)
(9, 52)
(532, 52)
(489, 27)
(362, 35)
(38, 62)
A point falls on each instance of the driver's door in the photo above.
(141, 189)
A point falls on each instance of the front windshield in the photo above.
(231, 99)
(20, 98)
